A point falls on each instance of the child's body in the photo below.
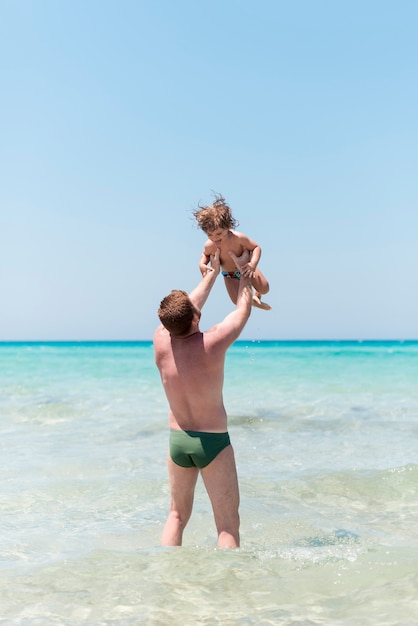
(217, 222)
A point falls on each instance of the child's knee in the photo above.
(261, 286)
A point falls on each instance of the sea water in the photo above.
(326, 443)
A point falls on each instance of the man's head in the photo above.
(176, 313)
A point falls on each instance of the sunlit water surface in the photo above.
(326, 442)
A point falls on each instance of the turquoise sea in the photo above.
(326, 442)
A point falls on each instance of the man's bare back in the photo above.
(192, 376)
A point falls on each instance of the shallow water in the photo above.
(325, 436)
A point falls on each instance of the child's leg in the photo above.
(260, 282)
(261, 286)
(232, 285)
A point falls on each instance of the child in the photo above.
(217, 222)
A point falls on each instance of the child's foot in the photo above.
(260, 305)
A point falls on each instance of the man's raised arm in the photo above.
(200, 293)
(234, 322)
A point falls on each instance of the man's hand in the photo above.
(215, 264)
(242, 262)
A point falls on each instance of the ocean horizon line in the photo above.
(136, 342)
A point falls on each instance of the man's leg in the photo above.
(182, 486)
(221, 482)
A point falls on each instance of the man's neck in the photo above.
(193, 330)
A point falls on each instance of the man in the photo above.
(191, 365)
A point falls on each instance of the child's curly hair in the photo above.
(214, 216)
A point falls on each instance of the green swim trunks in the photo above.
(190, 448)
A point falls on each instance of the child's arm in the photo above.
(249, 268)
(205, 258)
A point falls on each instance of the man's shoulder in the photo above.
(161, 342)
(160, 334)
(218, 336)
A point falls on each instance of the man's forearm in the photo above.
(235, 321)
(245, 294)
(200, 293)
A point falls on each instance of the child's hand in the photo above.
(248, 270)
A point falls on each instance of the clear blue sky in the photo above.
(118, 117)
